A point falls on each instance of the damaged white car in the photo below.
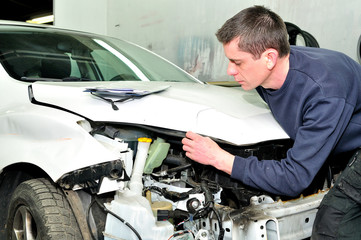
(90, 146)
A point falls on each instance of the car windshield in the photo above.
(48, 54)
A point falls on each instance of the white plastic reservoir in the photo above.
(135, 209)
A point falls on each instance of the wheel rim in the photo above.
(24, 227)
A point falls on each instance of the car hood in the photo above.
(228, 114)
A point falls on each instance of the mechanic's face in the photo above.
(246, 70)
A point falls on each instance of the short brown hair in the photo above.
(258, 29)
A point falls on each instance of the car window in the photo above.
(157, 68)
(37, 54)
(111, 67)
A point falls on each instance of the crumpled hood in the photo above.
(229, 114)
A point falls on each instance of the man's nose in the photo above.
(231, 70)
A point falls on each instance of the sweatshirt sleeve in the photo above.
(323, 123)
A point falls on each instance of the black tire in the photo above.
(38, 210)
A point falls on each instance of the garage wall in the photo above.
(183, 30)
(85, 15)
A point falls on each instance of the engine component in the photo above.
(134, 208)
(157, 153)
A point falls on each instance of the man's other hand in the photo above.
(205, 151)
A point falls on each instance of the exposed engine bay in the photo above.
(154, 192)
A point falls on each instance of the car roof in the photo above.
(17, 24)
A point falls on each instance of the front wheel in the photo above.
(39, 210)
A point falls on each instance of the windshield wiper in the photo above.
(171, 80)
(67, 79)
(35, 79)
(77, 79)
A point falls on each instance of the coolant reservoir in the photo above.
(157, 153)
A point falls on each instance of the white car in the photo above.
(90, 146)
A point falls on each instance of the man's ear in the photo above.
(271, 57)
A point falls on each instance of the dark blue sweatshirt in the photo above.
(319, 106)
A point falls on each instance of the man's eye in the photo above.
(237, 63)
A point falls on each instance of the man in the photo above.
(315, 95)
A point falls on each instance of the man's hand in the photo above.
(205, 151)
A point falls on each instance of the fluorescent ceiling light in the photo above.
(40, 20)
